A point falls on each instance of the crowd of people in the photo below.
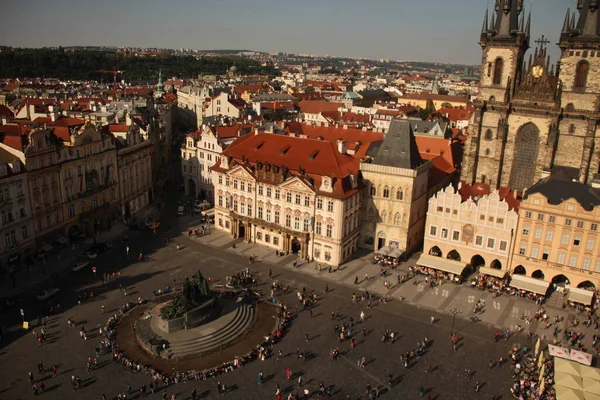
(526, 377)
(261, 351)
(437, 277)
(386, 261)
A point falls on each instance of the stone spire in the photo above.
(587, 26)
(583, 31)
(507, 17)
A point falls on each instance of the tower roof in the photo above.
(584, 30)
(399, 147)
(507, 24)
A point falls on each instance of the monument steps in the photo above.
(243, 319)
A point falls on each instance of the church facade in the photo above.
(532, 117)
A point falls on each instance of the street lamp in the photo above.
(454, 312)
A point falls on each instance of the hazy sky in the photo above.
(427, 30)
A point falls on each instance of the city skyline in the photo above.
(339, 28)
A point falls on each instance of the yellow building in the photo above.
(557, 238)
(90, 182)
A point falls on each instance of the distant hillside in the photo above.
(84, 64)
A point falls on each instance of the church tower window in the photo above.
(581, 73)
(489, 135)
(498, 66)
(572, 129)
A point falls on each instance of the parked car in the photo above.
(47, 293)
(90, 255)
(79, 266)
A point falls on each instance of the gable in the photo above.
(241, 172)
(296, 183)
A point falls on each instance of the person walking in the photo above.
(288, 374)
(421, 391)
(306, 336)
(41, 367)
(476, 388)
(299, 381)
(432, 319)
(270, 274)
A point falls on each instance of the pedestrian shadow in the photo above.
(298, 374)
(310, 356)
(66, 371)
(231, 388)
(87, 382)
(317, 315)
(204, 394)
(51, 388)
(314, 337)
(371, 361)
(268, 378)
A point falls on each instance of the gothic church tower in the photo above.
(531, 118)
(580, 76)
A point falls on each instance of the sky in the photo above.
(411, 30)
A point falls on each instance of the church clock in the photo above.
(537, 71)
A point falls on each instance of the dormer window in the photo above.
(284, 150)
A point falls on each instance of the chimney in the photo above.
(53, 116)
(127, 119)
(256, 130)
(341, 144)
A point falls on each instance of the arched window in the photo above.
(399, 194)
(489, 135)
(386, 192)
(581, 73)
(572, 129)
(397, 219)
(373, 191)
(383, 216)
(498, 66)
(570, 107)
(487, 152)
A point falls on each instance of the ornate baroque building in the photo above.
(292, 194)
(531, 117)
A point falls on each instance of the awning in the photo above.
(395, 253)
(385, 250)
(62, 240)
(582, 296)
(442, 264)
(498, 273)
(47, 248)
(538, 286)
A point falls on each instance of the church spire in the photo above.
(566, 24)
(507, 22)
(484, 28)
(585, 29)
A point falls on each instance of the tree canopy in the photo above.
(84, 64)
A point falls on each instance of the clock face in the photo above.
(537, 71)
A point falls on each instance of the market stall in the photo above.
(581, 296)
(441, 268)
(525, 283)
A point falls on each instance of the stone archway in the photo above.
(520, 270)
(296, 246)
(477, 261)
(538, 274)
(453, 255)
(435, 251)
(525, 157)
(496, 264)
(241, 230)
(586, 285)
(560, 280)
(191, 187)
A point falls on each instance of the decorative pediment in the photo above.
(329, 220)
(319, 218)
(288, 211)
(297, 213)
(220, 192)
(261, 203)
(241, 171)
(269, 205)
(242, 198)
(296, 184)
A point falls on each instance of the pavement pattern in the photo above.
(440, 372)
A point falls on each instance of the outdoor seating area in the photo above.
(388, 256)
(440, 269)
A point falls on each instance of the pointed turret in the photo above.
(585, 29)
(507, 22)
(484, 28)
(528, 25)
(522, 23)
(566, 24)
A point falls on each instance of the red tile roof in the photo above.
(278, 105)
(248, 88)
(350, 117)
(357, 140)
(5, 112)
(467, 191)
(318, 106)
(455, 114)
(309, 96)
(230, 131)
(317, 158)
(118, 128)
